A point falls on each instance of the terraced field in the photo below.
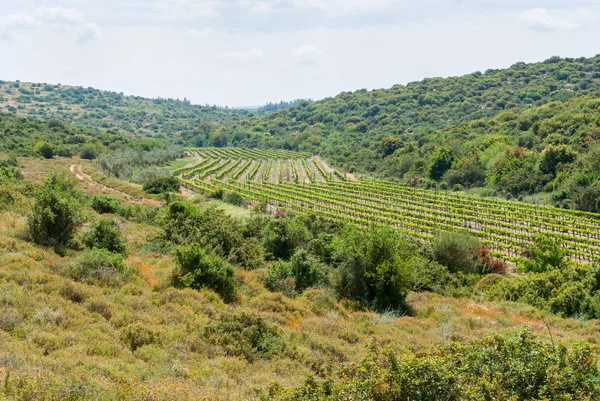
(507, 228)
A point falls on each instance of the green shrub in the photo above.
(571, 291)
(90, 151)
(161, 185)
(544, 254)
(303, 271)
(282, 236)
(44, 149)
(250, 254)
(245, 335)
(198, 269)
(99, 266)
(373, 267)
(136, 335)
(457, 251)
(104, 234)
(105, 204)
(56, 213)
(517, 366)
(234, 198)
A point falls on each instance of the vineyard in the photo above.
(294, 181)
(276, 166)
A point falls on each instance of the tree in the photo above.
(44, 149)
(373, 267)
(390, 144)
(198, 269)
(442, 162)
(553, 156)
(56, 213)
(161, 185)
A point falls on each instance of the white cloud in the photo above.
(188, 8)
(248, 55)
(341, 7)
(543, 20)
(307, 54)
(201, 33)
(63, 19)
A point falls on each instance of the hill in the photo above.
(487, 129)
(96, 109)
(108, 309)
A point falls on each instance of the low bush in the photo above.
(245, 335)
(197, 269)
(302, 271)
(104, 234)
(56, 213)
(98, 266)
(457, 251)
(104, 204)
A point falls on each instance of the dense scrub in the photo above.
(516, 367)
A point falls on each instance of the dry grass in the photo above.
(64, 338)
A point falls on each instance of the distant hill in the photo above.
(98, 109)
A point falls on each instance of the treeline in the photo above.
(281, 105)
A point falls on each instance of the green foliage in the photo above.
(554, 156)
(44, 149)
(301, 272)
(161, 185)
(104, 234)
(573, 290)
(245, 335)
(105, 204)
(517, 366)
(90, 151)
(373, 267)
(545, 254)
(136, 336)
(281, 237)
(56, 214)
(234, 198)
(100, 267)
(198, 269)
(185, 224)
(457, 251)
(442, 161)
(249, 254)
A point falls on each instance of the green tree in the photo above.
(373, 267)
(44, 149)
(390, 144)
(553, 156)
(457, 251)
(442, 162)
(56, 213)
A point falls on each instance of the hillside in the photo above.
(82, 322)
(96, 109)
(481, 130)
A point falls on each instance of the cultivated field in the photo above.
(507, 228)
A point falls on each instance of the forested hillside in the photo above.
(98, 109)
(519, 131)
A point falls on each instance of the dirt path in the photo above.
(328, 169)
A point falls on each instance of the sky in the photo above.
(250, 52)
